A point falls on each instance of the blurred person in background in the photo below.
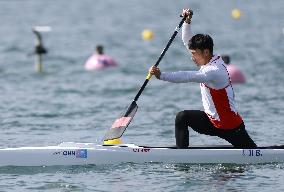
(99, 60)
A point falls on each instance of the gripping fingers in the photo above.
(150, 73)
(186, 13)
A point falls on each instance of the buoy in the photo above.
(236, 75)
(147, 34)
(236, 13)
(113, 142)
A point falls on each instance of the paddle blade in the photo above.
(120, 124)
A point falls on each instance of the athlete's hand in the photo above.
(188, 14)
(155, 71)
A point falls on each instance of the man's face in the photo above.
(198, 57)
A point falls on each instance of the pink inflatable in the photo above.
(235, 74)
(98, 62)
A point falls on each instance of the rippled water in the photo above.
(66, 103)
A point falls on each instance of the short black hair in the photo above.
(202, 42)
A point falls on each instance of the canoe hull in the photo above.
(89, 153)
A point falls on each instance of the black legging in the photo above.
(199, 122)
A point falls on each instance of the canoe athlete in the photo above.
(220, 117)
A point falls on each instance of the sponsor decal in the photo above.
(252, 152)
(78, 153)
(143, 150)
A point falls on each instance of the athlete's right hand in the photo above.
(155, 71)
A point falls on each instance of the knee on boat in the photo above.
(180, 117)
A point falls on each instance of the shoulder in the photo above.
(210, 69)
(217, 73)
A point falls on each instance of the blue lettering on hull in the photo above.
(69, 153)
(252, 152)
(79, 153)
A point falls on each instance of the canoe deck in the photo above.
(208, 147)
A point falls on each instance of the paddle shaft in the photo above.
(160, 58)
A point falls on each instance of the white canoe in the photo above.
(70, 153)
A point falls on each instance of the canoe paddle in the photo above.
(120, 124)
